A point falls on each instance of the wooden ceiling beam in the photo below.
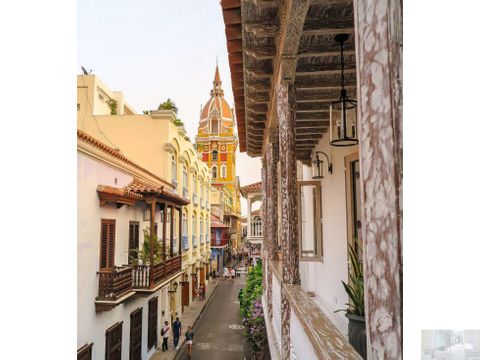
(325, 68)
(261, 29)
(234, 46)
(324, 53)
(292, 15)
(311, 124)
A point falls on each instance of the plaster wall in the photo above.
(324, 277)
(91, 326)
(301, 347)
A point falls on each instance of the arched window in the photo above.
(194, 184)
(185, 177)
(223, 171)
(214, 172)
(184, 224)
(214, 155)
(214, 124)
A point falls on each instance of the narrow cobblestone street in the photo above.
(219, 334)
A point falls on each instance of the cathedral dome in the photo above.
(216, 109)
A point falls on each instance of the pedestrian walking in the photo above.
(232, 273)
(164, 332)
(189, 341)
(204, 291)
(177, 331)
(200, 292)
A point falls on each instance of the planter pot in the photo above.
(357, 335)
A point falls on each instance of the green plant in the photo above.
(251, 309)
(143, 255)
(112, 104)
(168, 105)
(355, 287)
(178, 122)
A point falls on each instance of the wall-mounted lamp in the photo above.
(318, 166)
(146, 213)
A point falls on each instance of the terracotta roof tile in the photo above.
(252, 188)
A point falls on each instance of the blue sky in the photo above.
(151, 50)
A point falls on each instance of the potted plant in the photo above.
(355, 311)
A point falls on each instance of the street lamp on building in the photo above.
(318, 166)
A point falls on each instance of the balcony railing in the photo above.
(194, 240)
(219, 242)
(114, 283)
(141, 273)
(194, 199)
(185, 192)
(256, 228)
(202, 203)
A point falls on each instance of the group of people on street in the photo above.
(229, 273)
(176, 331)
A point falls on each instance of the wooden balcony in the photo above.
(114, 287)
(161, 273)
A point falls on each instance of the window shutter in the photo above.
(133, 240)
(152, 322)
(85, 352)
(111, 244)
(103, 245)
(136, 335)
(113, 342)
(107, 244)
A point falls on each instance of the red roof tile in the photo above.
(252, 188)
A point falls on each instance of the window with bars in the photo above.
(85, 352)
(136, 335)
(133, 240)
(113, 342)
(107, 244)
(152, 322)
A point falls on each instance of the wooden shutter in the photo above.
(133, 240)
(113, 342)
(107, 244)
(136, 335)
(152, 322)
(85, 352)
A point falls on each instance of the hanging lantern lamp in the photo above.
(343, 113)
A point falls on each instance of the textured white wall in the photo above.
(324, 278)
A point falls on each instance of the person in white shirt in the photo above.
(232, 274)
(165, 332)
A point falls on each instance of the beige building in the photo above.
(135, 172)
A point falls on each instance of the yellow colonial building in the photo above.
(217, 143)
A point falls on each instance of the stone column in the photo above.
(288, 188)
(266, 233)
(378, 26)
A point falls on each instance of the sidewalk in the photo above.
(189, 317)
